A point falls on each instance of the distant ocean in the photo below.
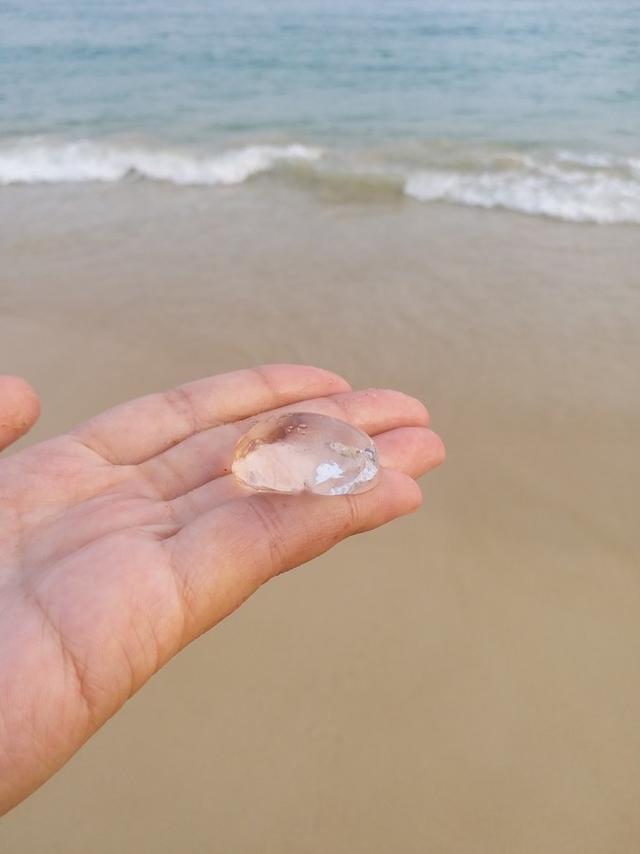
(526, 105)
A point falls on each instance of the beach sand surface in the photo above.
(464, 680)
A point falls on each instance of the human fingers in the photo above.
(139, 429)
(207, 455)
(412, 450)
(19, 409)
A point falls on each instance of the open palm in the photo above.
(124, 539)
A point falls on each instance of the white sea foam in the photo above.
(566, 192)
(32, 162)
(596, 187)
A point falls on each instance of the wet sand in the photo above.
(466, 680)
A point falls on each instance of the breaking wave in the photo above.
(591, 187)
(72, 162)
(573, 195)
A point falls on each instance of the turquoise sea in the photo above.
(528, 105)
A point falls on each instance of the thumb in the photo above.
(19, 409)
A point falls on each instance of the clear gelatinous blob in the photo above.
(305, 452)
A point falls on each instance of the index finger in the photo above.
(138, 430)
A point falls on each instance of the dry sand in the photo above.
(466, 680)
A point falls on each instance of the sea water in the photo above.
(527, 105)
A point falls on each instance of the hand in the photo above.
(126, 538)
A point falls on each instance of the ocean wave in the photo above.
(85, 161)
(596, 187)
(569, 194)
